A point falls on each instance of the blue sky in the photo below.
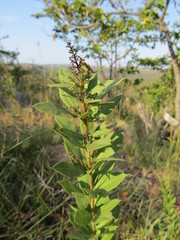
(33, 37)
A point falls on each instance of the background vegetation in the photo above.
(31, 200)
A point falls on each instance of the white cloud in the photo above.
(10, 18)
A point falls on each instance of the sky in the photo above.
(32, 38)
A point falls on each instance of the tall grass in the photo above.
(31, 201)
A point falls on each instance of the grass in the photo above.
(32, 202)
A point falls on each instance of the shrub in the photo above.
(90, 145)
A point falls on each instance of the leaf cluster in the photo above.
(170, 220)
(90, 145)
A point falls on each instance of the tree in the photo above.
(155, 18)
(11, 74)
(11, 70)
(144, 23)
(93, 31)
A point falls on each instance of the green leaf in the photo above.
(82, 217)
(84, 181)
(100, 87)
(52, 108)
(69, 187)
(72, 150)
(106, 108)
(116, 212)
(65, 123)
(97, 89)
(53, 80)
(60, 85)
(82, 195)
(69, 100)
(93, 109)
(93, 101)
(116, 142)
(92, 82)
(104, 212)
(108, 159)
(104, 170)
(109, 233)
(83, 236)
(109, 206)
(110, 181)
(102, 200)
(71, 217)
(102, 129)
(109, 87)
(106, 152)
(90, 127)
(160, 2)
(102, 143)
(97, 144)
(66, 95)
(93, 237)
(86, 114)
(67, 139)
(65, 75)
(91, 193)
(99, 162)
(78, 235)
(104, 216)
(83, 203)
(73, 135)
(96, 165)
(68, 169)
(105, 223)
(66, 92)
(73, 208)
(83, 229)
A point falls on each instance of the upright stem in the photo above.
(88, 154)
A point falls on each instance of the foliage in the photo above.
(21, 78)
(11, 73)
(158, 94)
(26, 162)
(90, 147)
(170, 222)
(106, 37)
(11, 70)
(155, 96)
(110, 25)
(158, 63)
(106, 26)
(31, 207)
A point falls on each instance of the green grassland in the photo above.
(32, 203)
